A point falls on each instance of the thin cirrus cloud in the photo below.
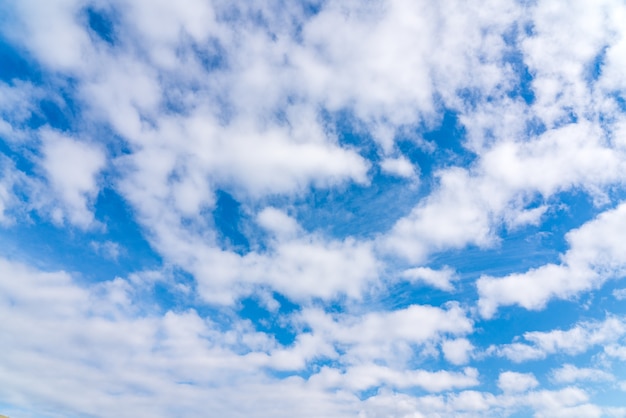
(398, 208)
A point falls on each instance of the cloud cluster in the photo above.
(484, 117)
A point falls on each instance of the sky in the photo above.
(316, 208)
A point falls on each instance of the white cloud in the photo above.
(278, 222)
(457, 351)
(62, 336)
(469, 204)
(17, 103)
(595, 255)
(7, 197)
(568, 402)
(381, 341)
(513, 382)
(300, 268)
(569, 373)
(441, 279)
(59, 329)
(372, 331)
(51, 31)
(71, 168)
(257, 125)
(108, 249)
(400, 167)
(575, 340)
(561, 73)
(449, 218)
(616, 350)
(565, 402)
(365, 376)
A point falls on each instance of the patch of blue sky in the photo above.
(166, 294)
(535, 127)
(608, 394)
(355, 210)
(569, 117)
(594, 68)
(522, 412)
(121, 227)
(272, 322)
(230, 217)
(16, 64)
(364, 211)
(351, 132)
(20, 156)
(54, 114)
(620, 99)
(449, 138)
(102, 23)
(56, 106)
(514, 57)
(211, 54)
(400, 294)
(569, 210)
(51, 247)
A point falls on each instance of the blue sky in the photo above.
(312, 209)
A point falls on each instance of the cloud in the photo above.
(301, 268)
(513, 382)
(365, 376)
(61, 329)
(108, 249)
(578, 339)
(619, 294)
(440, 279)
(594, 256)
(469, 204)
(45, 28)
(278, 222)
(183, 358)
(457, 351)
(400, 167)
(569, 373)
(389, 336)
(188, 363)
(71, 168)
(490, 114)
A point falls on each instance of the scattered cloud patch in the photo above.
(340, 202)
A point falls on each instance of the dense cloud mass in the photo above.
(312, 209)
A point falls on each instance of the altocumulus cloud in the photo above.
(318, 208)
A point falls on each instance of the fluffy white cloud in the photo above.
(441, 279)
(619, 294)
(389, 336)
(64, 339)
(48, 28)
(8, 178)
(575, 340)
(469, 204)
(278, 222)
(457, 351)
(59, 329)
(197, 96)
(566, 402)
(569, 373)
(300, 268)
(108, 249)
(71, 168)
(512, 382)
(365, 376)
(401, 167)
(595, 255)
